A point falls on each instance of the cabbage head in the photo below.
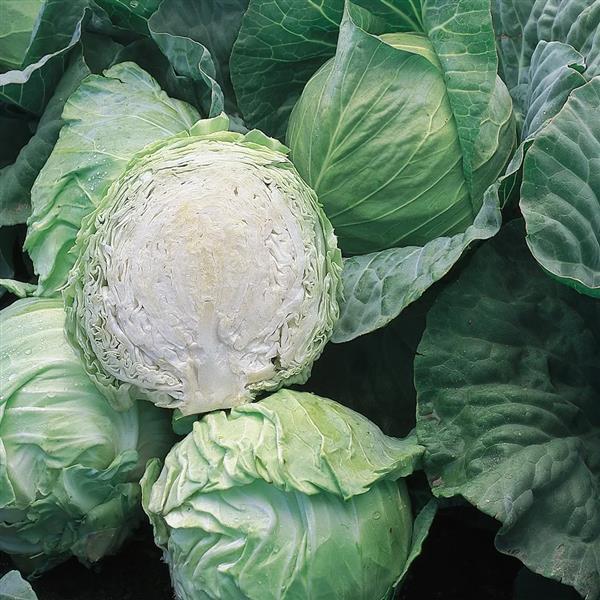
(293, 497)
(374, 133)
(69, 463)
(208, 273)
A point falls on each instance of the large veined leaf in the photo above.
(185, 45)
(282, 43)
(508, 392)
(54, 27)
(17, 18)
(584, 35)
(521, 24)
(107, 120)
(558, 115)
(560, 194)
(16, 179)
(192, 89)
(380, 285)
(58, 29)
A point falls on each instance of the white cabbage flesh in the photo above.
(210, 275)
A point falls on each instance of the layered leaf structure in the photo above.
(207, 274)
(270, 500)
(550, 59)
(69, 463)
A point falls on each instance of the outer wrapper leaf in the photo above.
(58, 29)
(107, 120)
(380, 285)
(507, 383)
(17, 179)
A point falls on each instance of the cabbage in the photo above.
(69, 463)
(292, 497)
(207, 274)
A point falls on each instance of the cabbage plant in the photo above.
(69, 463)
(294, 496)
(207, 274)
(396, 116)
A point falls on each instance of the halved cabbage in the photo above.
(207, 274)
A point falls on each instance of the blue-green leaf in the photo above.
(560, 194)
(378, 286)
(508, 386)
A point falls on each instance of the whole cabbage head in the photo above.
(375, 135)
(293, 497)
(69, 463)
(208, 273)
